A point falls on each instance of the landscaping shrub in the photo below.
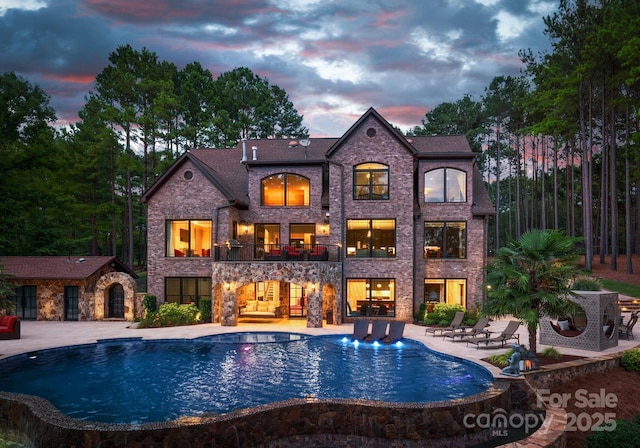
(171, 315)
(586, 284)
(205, 310)
(552, 352)
(625, 434)
(443, 313)
(501, 360)
(630, 360)
(422, 311)
(150, 304)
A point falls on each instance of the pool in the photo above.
(136, 381)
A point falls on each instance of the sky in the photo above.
(335, 59)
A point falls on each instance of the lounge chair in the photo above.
(360, 329)
(396, 331)
(627, 330)
(468, 332)
(378, 331)
(506, 335)
(456, 323)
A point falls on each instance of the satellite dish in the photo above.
(305, 142)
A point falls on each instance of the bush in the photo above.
(150, 304)
(422, 311)
(625, 434)
(630, 360)
(171, 315)
(501, 360)
(552, 352)
(586, 284)
(443, 313)
(205, 310)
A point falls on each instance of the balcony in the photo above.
(235, 251)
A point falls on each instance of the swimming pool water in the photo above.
(147, 381)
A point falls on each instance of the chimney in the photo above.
(244, 150)
(255, 152)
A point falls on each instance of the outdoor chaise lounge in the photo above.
(360, 329)
(378, 331)
(456, 323)
(396, 331)
(506, 335)
(468, 332)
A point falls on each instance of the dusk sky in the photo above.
(335, 59)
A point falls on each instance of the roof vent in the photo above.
(293, 143)
(81, 260)
(255, 152)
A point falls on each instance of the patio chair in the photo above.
(627, 330)
(506, 335)
(360, 329)
(468, 332)
(378, 331)
(455, 324)
(396, 331)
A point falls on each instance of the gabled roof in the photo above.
(62, 268)
(385, 124)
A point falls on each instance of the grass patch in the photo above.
(621, 288)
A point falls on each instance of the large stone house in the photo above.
(371, 223)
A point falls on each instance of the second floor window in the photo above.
(371, 181)
(285, 189)
(445, 240)
(189, 238)
(445, 185)
(374, 238)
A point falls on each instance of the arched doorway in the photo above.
(116, 301)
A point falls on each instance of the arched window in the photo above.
(445, 185)
(285, 189)
(371, 181)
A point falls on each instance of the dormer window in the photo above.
(371, 181)
(445, 185)
(285, 189)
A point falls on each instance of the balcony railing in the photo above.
(235, 251)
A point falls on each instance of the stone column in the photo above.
(314, 309)
(229, 305)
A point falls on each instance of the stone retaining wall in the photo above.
(285, 424)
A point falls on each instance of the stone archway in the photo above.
(103, 286)
(228, 277)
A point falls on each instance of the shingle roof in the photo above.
(66, 268)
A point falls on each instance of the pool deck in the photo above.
(38, 335)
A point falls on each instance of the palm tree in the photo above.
(531, 277)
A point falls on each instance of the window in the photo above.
(26, 302)
(371, 181)
(441, 290)
(371, 297)
(302, 235)
(371, 238)
(445, 185)
(267, 240)
(285, 189)
(445, 240)
(70, 303)
(189, 238)
(182, 290)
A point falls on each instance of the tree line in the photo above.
(557, 144)
(76, 190)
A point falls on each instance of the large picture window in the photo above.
(445, 185)
(183, 290)
(371, 181)
(445, 240)
(370, 297)
(285, 189)
(189, 238)
(441, 290)
(371, 238)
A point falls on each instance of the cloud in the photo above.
(334, 59)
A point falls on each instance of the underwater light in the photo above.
(398, 344)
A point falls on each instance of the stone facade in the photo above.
(225, 187)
